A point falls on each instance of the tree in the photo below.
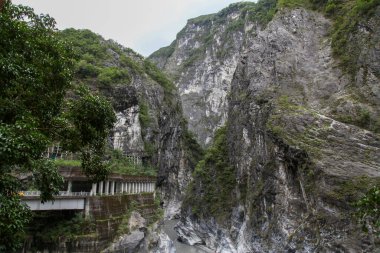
(368, 212)
(38, 107)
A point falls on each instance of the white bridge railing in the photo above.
(61, 193)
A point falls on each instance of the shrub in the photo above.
(112, 75)
(368, 210)
(126, 61)
(144, 115)
(85, 69)
(158, 76)
(211, 192)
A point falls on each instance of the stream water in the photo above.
(180, 247)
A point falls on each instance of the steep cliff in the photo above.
(150, 126)
(202, 61)
(301, 141)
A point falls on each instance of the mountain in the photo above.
(150, 124)
(285, 96)
(294, 88)
(202, 61)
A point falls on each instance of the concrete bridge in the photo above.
(78, 189)
(63, 201)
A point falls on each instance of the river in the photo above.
(180, 247)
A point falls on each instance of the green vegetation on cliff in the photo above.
(159, 77)
(193, 148)
(368, 211)
(347, 17)
(118, 163)
(96, 58)
(211, 191)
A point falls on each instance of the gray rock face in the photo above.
(128, 243)
(127, 131)
(160, 140)
(297, 166)
(202, 61)
(164, 245)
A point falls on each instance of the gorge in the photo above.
(260, 123)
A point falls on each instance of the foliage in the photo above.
(126, 61)
(86, 44)
(86, 69)
(123, 227)
(164, 52)
(35, 75)
(195, 150)
(149, 148)
(159, 77)
(119, 163)
(109, 75)
(236, 25)
(203, 19)
(368, 210)
(88, 119)
(13, 215)
(347, 15)
(50, 228)
(233, 8)
(144, 115)
(363, 118)
(291, 3)
(262, 11)
(158, 211)
(69, 163)
(211, 192)
(93, 54)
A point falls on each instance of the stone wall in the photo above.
(107, 213)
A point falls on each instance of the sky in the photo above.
(143, 25)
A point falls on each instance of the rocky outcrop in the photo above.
(142, 239)
(164, 244)
(202, 61)
(132, 241)
(151, 127)
(127, 243)
(298, 165)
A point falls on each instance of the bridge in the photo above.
(78, 190)
(62, 201)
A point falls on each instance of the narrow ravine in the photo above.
(180, 247)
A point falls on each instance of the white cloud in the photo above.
(143, 25)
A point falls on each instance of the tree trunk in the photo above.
(2, 2)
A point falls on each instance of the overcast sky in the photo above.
(143, 25)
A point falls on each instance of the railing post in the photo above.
(112, 187)
(86, 207)
(101, 187)
(93, 190)
(69, 186)
(107, 187)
